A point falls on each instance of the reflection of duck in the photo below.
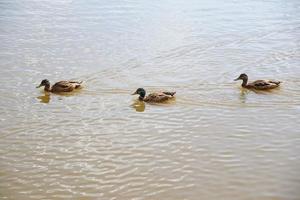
(45, 98)
(157, 97)
(139, 106)
(243, 95)
(61, 86)
(259, 84)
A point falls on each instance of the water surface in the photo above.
(216, 141)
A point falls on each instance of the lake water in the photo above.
(215, 141)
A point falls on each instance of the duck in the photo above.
(259, 84)
(61, 86)
(157, 97)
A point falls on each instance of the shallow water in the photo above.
(215, 141)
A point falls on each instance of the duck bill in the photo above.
(134, 93)
(39, 86)
(236, 79)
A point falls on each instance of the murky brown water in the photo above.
(216, 141)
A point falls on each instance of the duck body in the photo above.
(156, 97)
(259, 84)
(263, 84)
(61, 86)
(65, 86)
(159, 97)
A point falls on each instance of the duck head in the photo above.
(141, 92)
(45, 83)
(244, 78)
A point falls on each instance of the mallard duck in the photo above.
(157, 97)
(61, 86)
(259, 84)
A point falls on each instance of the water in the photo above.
(215, 141)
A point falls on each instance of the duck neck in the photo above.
(47, 88)
(141, 97)
(245, 80)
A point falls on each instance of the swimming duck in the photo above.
(61, 86)
(157, 97)
(259, 84)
